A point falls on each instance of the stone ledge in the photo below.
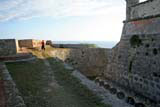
(13, 96)
(141, 3)
(143, 18)
(17, 57)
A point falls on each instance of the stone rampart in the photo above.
(29, 43)
(71, 45)
(134, 62)
(91, 62)
(8, 47)
(145, 9)
(142, 27)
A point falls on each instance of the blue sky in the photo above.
(90, 20)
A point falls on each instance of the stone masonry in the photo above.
(135, 61)
(8, 47)
(133, 64)
(90, 61)
(29, 43)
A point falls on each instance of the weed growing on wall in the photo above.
(135, 41)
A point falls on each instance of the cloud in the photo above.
(25, 9)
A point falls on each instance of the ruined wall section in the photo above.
(29, 43)
(145, 9)
(8, 47)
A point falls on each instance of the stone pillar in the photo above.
(130, 3)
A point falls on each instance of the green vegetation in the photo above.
(29, 79)
(90, 45)
(35, 82)
(135, 41)
(73, 85)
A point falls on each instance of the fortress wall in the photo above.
(8, 47)
(141, 27)
(146, 9)
(25, 43)
(29, 43)
(70, 45)
(137, 69)
(90, 62)
(134, 62)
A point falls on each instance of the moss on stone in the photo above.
(135, 41)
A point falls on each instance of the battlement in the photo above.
(29, 43)
(8, 47)
(136, 10)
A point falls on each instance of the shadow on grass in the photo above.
(73, 85)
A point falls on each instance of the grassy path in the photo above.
(46, 83)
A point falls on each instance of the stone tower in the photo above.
(135, 61)
(130, 3)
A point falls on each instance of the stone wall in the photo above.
(134, 62)
(136, 69)
(90, 62)
(144, 9)
(8, 47)
(29, 43)
(12, 95)
(70, 45)
(142, 27)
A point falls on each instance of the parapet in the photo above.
(147, 9)
(8, 47)
(29, 43)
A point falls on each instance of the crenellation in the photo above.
(147, 9)
(130, 3)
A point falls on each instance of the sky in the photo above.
(62, 20)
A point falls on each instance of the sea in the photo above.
(100, 44)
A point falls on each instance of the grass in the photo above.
(72, 85)
(31, 81)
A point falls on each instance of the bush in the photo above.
(135, 41)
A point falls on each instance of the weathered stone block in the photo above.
(8, 47)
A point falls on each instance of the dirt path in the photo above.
(46, 84)
(58, 96)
